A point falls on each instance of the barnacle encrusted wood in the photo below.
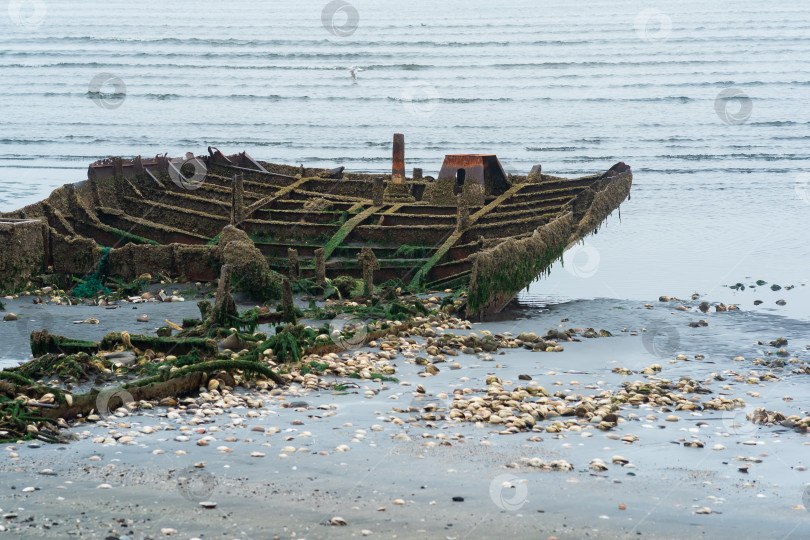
(136, 216)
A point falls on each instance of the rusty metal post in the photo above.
(293, 264)
(287, 306)
(320, 267)
(398, 166)
(378, 191)
(238, 200)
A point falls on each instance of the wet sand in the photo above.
(155, 492)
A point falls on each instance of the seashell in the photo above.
(536, 462)
(597, 465)
(619, 460)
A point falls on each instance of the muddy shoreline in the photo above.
(390, 459)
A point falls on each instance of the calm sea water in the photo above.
(722, 187)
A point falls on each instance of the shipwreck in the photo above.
(472, 226)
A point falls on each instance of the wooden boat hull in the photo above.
(433, 234)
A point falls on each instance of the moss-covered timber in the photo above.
(113, 398)
(347, 228)
(43, 342)
(500, 272)
(452, 239)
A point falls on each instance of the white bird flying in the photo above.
(354, 70)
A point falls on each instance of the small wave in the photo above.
(780, 123)
(553, 149)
